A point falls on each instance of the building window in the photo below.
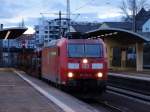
(65, 23)
(46, 36)
(46, 27)
(46, 31)
(147, 29)
(46, 41)
(56, 27)
(58, 22)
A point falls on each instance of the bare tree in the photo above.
(131, 7)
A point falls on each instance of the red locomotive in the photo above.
(75, 63)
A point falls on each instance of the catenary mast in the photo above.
(68, 15)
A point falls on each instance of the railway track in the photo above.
(131, 83)
(129, 93)
(116, 107)
(110, 107)
(104, 106)
(130, 86)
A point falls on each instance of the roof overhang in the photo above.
(11, 33)
(117, 34)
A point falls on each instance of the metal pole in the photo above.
(68, 15)
(1, 52)
(134, 16)
(8, 54)
(60, 25)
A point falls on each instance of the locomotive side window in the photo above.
(85, 50)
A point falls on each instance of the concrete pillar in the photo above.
(139, 56)
(111, 56)
(123, 58)
(109, 52)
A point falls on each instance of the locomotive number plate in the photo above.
(85, 66)
(84, 75)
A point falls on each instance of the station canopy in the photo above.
(117, 34)
(12, 33)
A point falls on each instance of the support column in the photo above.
(123, 58)
(111, 56)
(108, 55)
(108, 52)
(139, 56)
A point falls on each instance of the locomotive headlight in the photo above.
(73, 65)
(70, 75)
(99, 75)
(85, 61)
(97, 66)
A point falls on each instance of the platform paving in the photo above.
(16, 95)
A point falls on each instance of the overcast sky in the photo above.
(12, 11)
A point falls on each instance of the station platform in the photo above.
(16, 95)
(22, 93)
(143, 75)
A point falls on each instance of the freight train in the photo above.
(71, 63)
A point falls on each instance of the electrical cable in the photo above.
(84, 5)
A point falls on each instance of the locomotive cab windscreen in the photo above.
(76, 50)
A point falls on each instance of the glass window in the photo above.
(85, 50)
(46, 36)
(65, 22)
(93, 50)
(46, 31)
(147, 29)
(76, 50)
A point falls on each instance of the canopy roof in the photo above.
(117, 34)
(11, 33)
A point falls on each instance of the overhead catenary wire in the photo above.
(86, 4)
(89, 2)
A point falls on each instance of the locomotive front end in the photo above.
(87, 64)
